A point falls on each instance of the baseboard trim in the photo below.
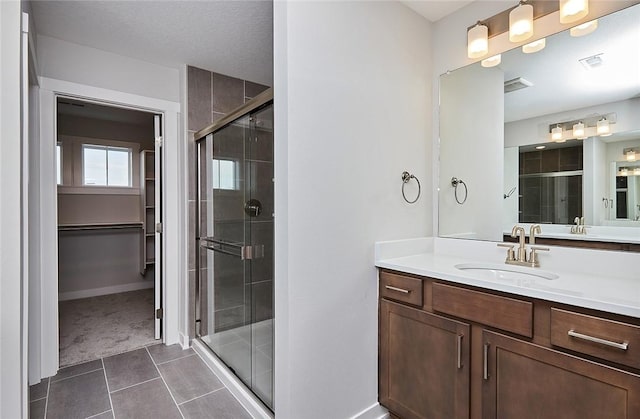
(94, 292)
(246, 398)
(375, 411)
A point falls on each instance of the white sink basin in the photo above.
(505, 272)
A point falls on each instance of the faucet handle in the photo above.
(533, 258)
(511, 254)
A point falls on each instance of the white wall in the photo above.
(13, 384)
(352, 110)
(80, 64)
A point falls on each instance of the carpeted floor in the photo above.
(96, 327)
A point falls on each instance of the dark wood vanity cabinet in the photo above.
(424, 363)
(472, 353)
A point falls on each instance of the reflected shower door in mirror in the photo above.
(236, 248)
(493, 118)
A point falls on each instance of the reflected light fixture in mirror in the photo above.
(578, 131)
(478, 41)
(584, 29)
(573, 10)
(630, 154)
(491, 61)
(521, 23)
(534, 46)
(636, 171)
(556, 134)
(602, 127)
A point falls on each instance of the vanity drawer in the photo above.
(504, 313)
(401, 288)
(614, 341)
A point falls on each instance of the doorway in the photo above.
(109, 206)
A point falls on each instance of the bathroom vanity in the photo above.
(460, 344)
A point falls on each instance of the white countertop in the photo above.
(595, 284)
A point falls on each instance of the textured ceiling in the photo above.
(228, 37)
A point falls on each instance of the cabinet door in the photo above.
(424, 363)
(523, 380)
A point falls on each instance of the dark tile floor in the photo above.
(155, 382)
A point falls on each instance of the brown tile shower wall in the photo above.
(210, 96)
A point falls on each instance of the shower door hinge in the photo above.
(158, 227)
(159, 313)
(159, 141)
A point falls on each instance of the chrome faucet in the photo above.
(522, 259)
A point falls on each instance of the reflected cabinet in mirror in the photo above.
(550, 138)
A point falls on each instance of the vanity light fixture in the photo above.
(521, 22)
(584, 29)
(630, 154)
(556, 134)
(578, 131)
(573, 10)
(491, 61)
(624, 171)
(602, 127)
(534, 46)
(478, 41)
(636, 171)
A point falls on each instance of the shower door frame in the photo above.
(262, 100)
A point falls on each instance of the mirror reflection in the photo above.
(549, 137)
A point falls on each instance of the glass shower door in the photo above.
(236, 248)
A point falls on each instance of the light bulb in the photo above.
(534, 46)
(521, 23)
(491, 61)
(602, 127)
(573, 10)
(584, 29)
(478, 41)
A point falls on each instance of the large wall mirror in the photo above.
(496, 127)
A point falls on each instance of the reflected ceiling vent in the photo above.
(516, 84)
(592, 62)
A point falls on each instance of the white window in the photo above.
(59, 163)
(106, 165)
(225, 174)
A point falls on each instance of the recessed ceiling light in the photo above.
(541, 147)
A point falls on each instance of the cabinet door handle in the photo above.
(459, 339)
(389, 287)
(485, 361)
(624, 345)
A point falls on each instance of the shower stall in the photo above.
(234, 230)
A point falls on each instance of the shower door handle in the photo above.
(255, 251)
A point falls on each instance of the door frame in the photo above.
(173, 193)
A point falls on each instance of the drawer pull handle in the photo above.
(624, 345)
(459, 339)
(389, 287)
(485, 361)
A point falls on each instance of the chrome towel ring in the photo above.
(406, 177)
(455, 182)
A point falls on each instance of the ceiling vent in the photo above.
(516, 84)
(589, 63)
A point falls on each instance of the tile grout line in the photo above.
(37, 400)
(46, 403)
(133, 385)
(106, 381)
(98, 414)
(171, 360)
(165, 383)
(77, 375)
(206, 394)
